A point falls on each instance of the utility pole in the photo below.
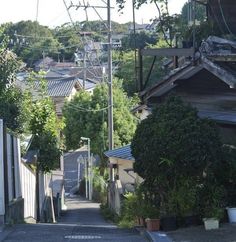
(84, 67)
(110, 98)
(88, 170)
(109, 45)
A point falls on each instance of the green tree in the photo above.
(89, 118)
(12, 100)
(142, 40)
(69, 39)
(29, 40)
(200, 12)
(126, 69)
(173, 142)
(45, 126)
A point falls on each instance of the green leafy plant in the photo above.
(170, 146)
(85, 115)
(108, 214)
(45, 126)
(211, 200)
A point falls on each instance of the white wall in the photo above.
(28, 184)
(2, 203)
(44, 187)
(9, 166)
(17, 164)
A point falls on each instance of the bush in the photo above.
(99, 187)
(175, 152)
(108, 214)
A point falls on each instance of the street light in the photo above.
(88, 171)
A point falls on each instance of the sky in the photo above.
(53, 13)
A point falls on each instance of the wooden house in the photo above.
(209, 84)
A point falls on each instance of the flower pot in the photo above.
(211, 223)
(232, 214)
(141, 221)
(169, 223)
(153, 224)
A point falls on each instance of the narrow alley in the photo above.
(81, 222)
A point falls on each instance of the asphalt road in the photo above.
(81, 222)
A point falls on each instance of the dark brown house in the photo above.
(209, 85)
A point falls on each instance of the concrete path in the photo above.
(81, 222)
(82, 212)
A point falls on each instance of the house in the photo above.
(208, 83)
(59, 88)
(122, 176)
(138, 28)
(43, 64)
(62, 90)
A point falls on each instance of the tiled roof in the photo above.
(61, 87)
(219, 116)
(121, 153)
(94, 74)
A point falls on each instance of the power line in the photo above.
(223, 17)
(82, 109)
(42, 37)
(109, 45)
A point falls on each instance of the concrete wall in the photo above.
(114, 195)
(15, 211)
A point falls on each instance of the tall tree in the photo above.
(70, 41)
(126, 69)
(173, 142)
(89, 118)
(44, 126)
(12, 100)
(30, 40)
(141, 39)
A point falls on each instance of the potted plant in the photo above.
(212, 218)
(186, 200)
(231, 208)
(168, 212)
(212, 211)
(226, 174)
(152, 215)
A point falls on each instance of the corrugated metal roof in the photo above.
(121, 153)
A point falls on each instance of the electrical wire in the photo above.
(223, 17)
(82, 109)
(216, 19)
(41, 37)
(24, 46)
(72, 5)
